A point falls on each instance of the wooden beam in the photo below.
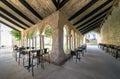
(11, 21)
(30, 8)
(16, 11)
(59, 4)
(83, 9)
(56, 4)
(92, 24)
(63, 3)
(12, 16)
(93, 12)
(90, 29)
(98, 14)
(90, 21)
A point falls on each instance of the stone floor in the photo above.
(96, 64)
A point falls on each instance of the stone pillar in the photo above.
(74, 42)
(84, 40)
(35, 42)
(67, 42)
(57, 54)
(79, 41)
(40, 40)
(27, 42)
(32, 41)
(22, 39)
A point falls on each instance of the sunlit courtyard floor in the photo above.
(96, 64)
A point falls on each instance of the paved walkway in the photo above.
(96, 64)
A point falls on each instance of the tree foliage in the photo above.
(48, 32)
(16, 34)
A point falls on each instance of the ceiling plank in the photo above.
(91, 20)
(30, 8)
(94, 11)
(99, 14)
(16, 10)
(12, 16)
(56, 4)
(101, 10)
(59, 4)
(11, 21)
(92, 24)
(83, 9)
(90, 29)
(63, 3)
(11, 24)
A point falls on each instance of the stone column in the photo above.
(84, 40)
(79, 41)
(74, 42)
(40, 40)
(22, 39)
(35, 42)
(67, 42)
(57, 54)
(27, 41)
(32, 41)
(70, 41)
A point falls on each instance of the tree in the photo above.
(48, 32)
(16, 34)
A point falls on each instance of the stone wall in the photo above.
(110, 31)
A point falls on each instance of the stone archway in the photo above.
(47, 34)
(66, 38)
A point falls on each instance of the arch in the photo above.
(42, 29)
(67, 29)
(91, 37)
(66, 38)
(46, 32)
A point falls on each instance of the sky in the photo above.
(6, 37)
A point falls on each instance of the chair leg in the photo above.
(19, 58)
(23, 61)
(32, 68)
(16, 56)
(49, 58)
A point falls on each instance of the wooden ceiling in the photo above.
(85, 15)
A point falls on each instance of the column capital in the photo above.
(41, 35)
(69, 35)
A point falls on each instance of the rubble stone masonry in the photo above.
(110, 31)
